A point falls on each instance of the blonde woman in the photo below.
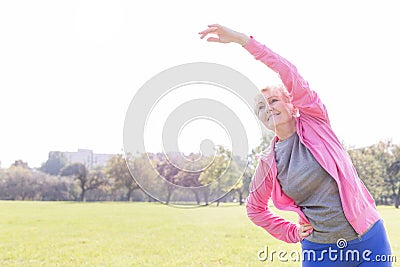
(307, 171)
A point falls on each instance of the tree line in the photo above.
(57, 179)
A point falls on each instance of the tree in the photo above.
(393, 178)
(378, 166)
(55, 163)
(252, 163)
(20, 163)
(85, 180)
(370, 167)
(52, 188)
(243, 190)
(18, 181)
(232, 179)
(118, 171)
(264, 144)
(168, 172)
(221, 176)
(189, 173)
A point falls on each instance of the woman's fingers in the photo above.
(224, 34)
(207, 31)
(304, 228)
(213, 39)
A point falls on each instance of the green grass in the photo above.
(140, 234)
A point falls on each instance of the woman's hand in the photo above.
(224, 35)
(304, 230)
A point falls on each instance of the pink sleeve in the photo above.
(259, 212)
(306, 100)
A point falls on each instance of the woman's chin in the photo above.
(270, 127)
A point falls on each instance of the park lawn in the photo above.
(141, 234)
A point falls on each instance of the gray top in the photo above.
(313, 190)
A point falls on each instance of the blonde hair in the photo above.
(260, 97)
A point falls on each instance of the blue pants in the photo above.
(371, 249)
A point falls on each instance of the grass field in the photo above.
(141, 234)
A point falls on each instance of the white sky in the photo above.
(69, 69)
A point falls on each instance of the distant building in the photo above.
(88, 158)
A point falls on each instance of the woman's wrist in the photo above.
(242, 39)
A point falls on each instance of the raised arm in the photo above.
(306, 100)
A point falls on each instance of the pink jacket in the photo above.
(315, 132)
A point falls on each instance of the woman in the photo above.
(307, 171)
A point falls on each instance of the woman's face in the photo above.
(274, 111)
